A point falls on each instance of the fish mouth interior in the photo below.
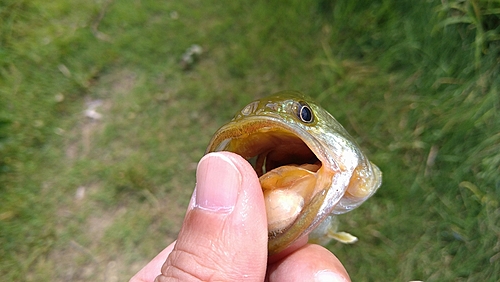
(267, 149)
(291, 174)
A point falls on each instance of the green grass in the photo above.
(416, 83)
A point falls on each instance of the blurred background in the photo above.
(106, 106)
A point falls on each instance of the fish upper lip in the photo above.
(308, 138)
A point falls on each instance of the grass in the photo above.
(87, 199)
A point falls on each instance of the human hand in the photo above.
(224, 235)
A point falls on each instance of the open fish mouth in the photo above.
(291, 173)
(268, 144)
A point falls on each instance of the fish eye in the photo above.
(305, 113)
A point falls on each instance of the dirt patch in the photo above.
(108, 235)
(97, 110)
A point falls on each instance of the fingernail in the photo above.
(326, 275)
(217, 183)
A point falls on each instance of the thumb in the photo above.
(224, 234)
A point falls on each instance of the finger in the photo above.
(309, 263)
(149, 272)
(224, 234)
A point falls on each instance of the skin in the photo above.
(224, 235)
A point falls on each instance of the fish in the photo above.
(309, 167)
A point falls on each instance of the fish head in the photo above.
(308, 165)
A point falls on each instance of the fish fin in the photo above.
(342, 237)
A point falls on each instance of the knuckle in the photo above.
(183, 265)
